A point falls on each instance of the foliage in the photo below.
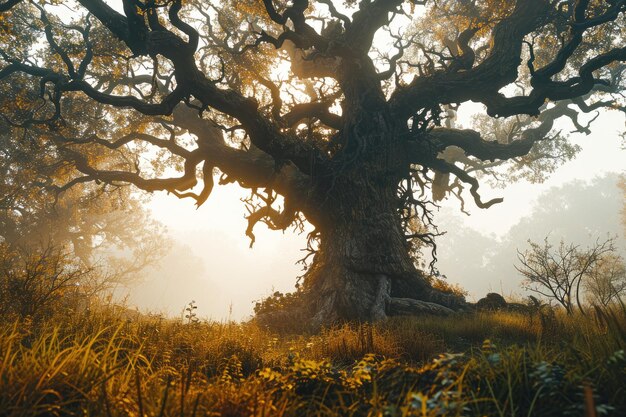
(477, 258)
(105, 362)
(278, 301)
(43, 201)
(439, 282)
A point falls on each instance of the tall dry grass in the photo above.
(109, 362)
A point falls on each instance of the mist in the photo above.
(218, 270)
(225, 277)
(578, 212)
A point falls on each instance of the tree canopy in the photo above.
(46, 209)
(342, 115)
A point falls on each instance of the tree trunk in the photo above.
(362, 270)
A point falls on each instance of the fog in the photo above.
(210, 261)
(578, 212)
(224, 276)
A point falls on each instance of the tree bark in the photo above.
(363, 270)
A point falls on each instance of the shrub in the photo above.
(39, 282)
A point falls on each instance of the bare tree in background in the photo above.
(296, 102)
(559, 273)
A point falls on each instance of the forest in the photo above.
(356, 125)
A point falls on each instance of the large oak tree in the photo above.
(338, 114)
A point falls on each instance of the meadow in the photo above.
(110, 361)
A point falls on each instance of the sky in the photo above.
(211, 263)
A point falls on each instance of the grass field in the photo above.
(106, 362)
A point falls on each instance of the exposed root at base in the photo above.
(412, 307)
(366, 297)
(296, 319)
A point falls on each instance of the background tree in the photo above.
(296, 102)
(606, 282)
(559, 274)
(45, 208)
(61, 245)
